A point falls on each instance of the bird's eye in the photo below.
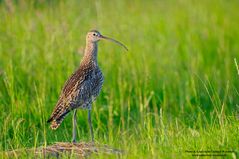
(94, 34)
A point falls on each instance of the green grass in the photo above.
(176, 90)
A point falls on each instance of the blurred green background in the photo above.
(177, 89)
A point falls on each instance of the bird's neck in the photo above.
(90, 55)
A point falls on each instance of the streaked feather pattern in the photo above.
(79, 92)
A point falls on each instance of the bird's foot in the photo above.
(92, 142)
(73, 141)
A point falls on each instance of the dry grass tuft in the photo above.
(81, 149)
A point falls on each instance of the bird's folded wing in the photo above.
(76, 89)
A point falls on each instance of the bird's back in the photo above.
(79, 91)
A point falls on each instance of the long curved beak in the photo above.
(115, 41)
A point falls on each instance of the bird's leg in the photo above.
(91, 128)
(74, 126)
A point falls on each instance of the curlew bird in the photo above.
(82, 88)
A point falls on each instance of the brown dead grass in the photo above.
(58, 149)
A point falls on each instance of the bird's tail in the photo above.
(56, 122)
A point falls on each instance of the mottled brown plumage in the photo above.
(79, 92)
(82, 88)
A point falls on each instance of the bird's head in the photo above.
(94, 36)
